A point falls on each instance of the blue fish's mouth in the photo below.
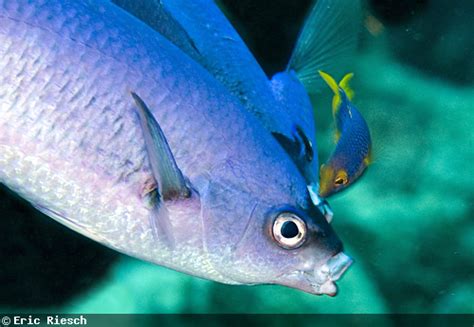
(320, 280)
(326, 275)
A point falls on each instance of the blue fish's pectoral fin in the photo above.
(299, 147)
(161, 225)
(327, 41)
(171, 184)
(170, 180)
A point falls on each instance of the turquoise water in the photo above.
(408, 223)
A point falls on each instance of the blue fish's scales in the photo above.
(115, 66)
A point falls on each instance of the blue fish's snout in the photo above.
(286, 245)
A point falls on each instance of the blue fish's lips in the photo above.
(321, 279)
(331, 271)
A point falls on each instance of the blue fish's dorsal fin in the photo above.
(158, 16)
(329, 37)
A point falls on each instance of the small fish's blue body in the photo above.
(352, 154)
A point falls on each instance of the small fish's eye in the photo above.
(341, 178)
(340, 181)
(289, 230)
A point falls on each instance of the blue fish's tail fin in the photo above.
(328, 39)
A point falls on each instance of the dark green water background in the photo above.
(408, 223)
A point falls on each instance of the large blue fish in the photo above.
(122, 133)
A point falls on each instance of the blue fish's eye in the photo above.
(289, 230)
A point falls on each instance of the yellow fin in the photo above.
(368, 159)
(344, 84)
(337, 135)
(330, 81)
(336, 100)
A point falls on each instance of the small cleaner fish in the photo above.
(352, 154)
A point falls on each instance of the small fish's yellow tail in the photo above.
(343, 84)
